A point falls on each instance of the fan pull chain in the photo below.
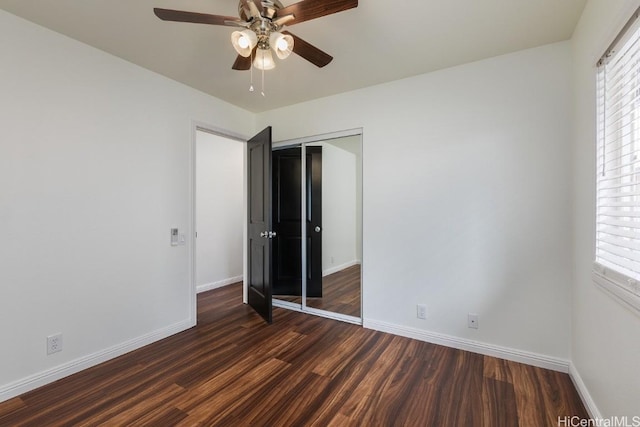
(262, 74)
(251, 86)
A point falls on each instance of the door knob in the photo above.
(317, 229)
(272, 234)
(264, 234)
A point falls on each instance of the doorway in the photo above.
(217, 206)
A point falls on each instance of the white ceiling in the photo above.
(376, 42)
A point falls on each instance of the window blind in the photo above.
(618, 159)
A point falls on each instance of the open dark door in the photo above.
(259, 229)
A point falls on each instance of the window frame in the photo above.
(606, 275)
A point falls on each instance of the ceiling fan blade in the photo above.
(242, 63)
(309, 51)
(198, 18)
(312, 9)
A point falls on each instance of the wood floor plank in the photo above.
(232, 394)
(244, 368)
(276, 395)
(372, 393)
(342, 354)
(497, 369)
(382, 399)
(530, 400)
(146, 409)
(296, 405)
(346, 381)
(11, 406)
(499, 404)
(232, 369)
(560, 396)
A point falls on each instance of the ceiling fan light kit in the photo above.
(282, 44)
(263, 21)
(264, 60)
(244, 42)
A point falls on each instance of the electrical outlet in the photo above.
(472, 321)
(54, 343)
(421, 311)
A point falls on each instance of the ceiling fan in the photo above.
(263, 22)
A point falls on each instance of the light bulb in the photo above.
(243, 42)
(282, 44)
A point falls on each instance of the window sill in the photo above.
(623, 294)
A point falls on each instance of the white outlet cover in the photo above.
(421, 311)
(54, 343)
(472, 321)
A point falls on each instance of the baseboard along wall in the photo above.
(40, 379)
(218, 284)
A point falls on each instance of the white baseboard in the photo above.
(218, 284)
(32, 382)
(340, 267)
(529, 358)
(587, 400)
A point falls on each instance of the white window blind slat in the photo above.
(620, 214)
(615, 187)
(617, 175)
(617, 231)
(616, 164)
(611, 204)
(630, 256)
(629, 196)
(613, 240)
(616, 223)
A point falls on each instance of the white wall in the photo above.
(606, 335)
(466, 196)
(95, 158)
(219, 210)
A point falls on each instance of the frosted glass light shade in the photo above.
(244, 41)
(282, 44)
(264, 60)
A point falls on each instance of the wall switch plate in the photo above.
(421, 311)
(472, 321)
(54, 343)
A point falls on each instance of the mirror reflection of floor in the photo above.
(340, 293)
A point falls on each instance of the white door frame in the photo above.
(208, 128)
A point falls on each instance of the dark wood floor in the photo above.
(340, 293)
(234, 370)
